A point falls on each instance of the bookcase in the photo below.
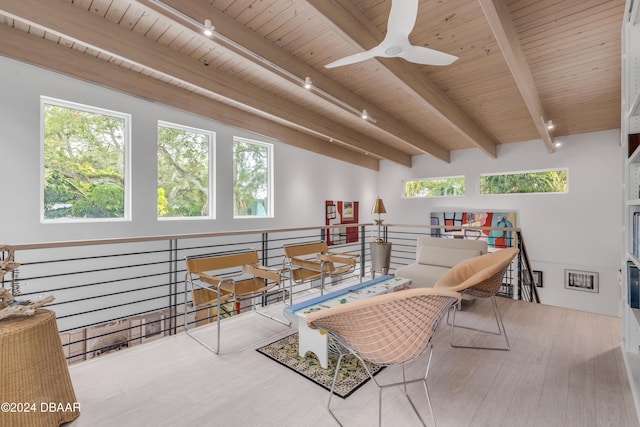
(630, 141)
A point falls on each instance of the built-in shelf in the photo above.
(636, 314)
(633, 259)
(630, 138)
(633, 147)
(635, 106)
(632, 363)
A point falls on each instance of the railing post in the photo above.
(265, 257)
(362, 250)
(173, 286)
(520, 275)
(265, 248)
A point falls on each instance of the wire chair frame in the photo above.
(497, 279)
(473, 284)
(390, 333)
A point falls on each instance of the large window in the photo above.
(252, 179)
(435, 187)
(531, 182)
(85, 162)
(185, 177)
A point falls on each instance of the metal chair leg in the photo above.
(215, 350)
(261, 313)
(404, 383)
(426, 390)
(499, 322)
(333, 385)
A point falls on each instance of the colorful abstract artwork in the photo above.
(461, 225)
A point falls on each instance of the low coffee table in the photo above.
(315, 340)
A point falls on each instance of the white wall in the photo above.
(303, 180)
(578, 230)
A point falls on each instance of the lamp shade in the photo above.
(378, 207)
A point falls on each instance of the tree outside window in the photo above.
(184, 172)
(434, 187)
(252, 188)
(547, 181)
(84, 158)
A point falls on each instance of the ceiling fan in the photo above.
(402, 19)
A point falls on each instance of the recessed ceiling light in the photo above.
(208, 28)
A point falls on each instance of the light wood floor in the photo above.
(565, 368)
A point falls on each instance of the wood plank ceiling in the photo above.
(521, 63)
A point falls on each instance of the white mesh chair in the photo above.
(479, 277)
(386, 330)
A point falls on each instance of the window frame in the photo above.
(211, 168)
(524, 172)
(405, 181)
(46, 100)
(270, 179)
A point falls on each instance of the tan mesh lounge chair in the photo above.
(311, 261)
(254, 281)
(386, 330)
(479, 277)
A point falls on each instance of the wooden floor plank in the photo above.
(581, 397)
(507, 382)
(552, 404)
(565, 368)
(523, 408)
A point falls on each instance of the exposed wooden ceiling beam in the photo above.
(31, 49)
(231, 29)
(506, 35)
(343, 17)
(62, 18)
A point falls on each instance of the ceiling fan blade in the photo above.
(426, 56)
(402, 19)
(352, 59)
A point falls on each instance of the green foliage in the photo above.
(250, 178)
(529, 182)
(83, 164)
(162, 203)
(183, 172)
(433, 187)
(104, 201)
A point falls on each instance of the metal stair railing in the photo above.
(527, 291)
